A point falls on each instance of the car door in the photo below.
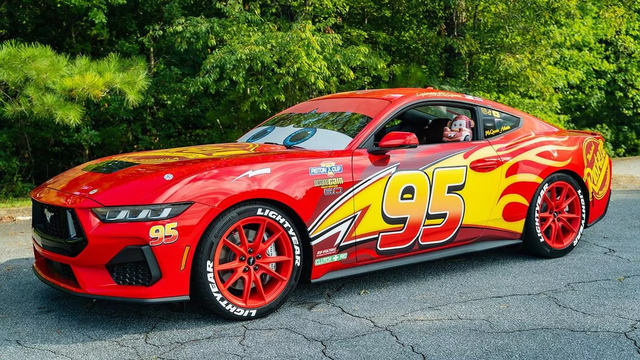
(437, 195)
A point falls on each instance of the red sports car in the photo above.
(335, 186)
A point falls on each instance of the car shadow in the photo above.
(32, 310)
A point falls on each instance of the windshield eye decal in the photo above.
(299, 136)
(261, 134)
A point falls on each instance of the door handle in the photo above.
(485, 165)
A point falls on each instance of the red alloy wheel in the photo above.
(560, 215)
(253, 262)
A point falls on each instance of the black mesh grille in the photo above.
(58, 229)
(61, 269)
(131, 273)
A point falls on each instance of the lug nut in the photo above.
(242, 258)
(255, 268)
(246, 268)
(250, 251)
(259, 257)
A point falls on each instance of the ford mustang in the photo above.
(335, 186)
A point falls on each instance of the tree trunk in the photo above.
(455, 18)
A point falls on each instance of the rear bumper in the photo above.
(606, 208)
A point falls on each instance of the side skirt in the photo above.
(434, 255)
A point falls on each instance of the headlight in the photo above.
(140, 213)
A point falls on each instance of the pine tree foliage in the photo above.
(38, 83)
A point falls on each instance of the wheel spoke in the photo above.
(269, 271)
(235, 248)
(554, 232)
(264, 246)
(246, 292)
(569, 216)
(230, 281)
(258, 283)
(547, 199)
(560, 200)
(546, 224)
(244, 243)
(566, 224)
(260, 233)
(274, 259)
(567, 202)
(230, 266)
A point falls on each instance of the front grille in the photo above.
(134, 265)
(57, 229)
(61, 269)
(132, 273)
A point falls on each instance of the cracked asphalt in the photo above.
(497, 304)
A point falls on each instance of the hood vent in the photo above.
(110, 166)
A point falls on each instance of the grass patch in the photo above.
(15, 202)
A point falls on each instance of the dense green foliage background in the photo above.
(176, 72)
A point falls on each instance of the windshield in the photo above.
(317, 125)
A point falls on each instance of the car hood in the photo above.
(141, 177)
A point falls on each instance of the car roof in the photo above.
(397, 93)
(411, 94)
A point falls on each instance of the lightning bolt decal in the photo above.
(252, 173)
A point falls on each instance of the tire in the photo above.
(553, 228)
(225, 261)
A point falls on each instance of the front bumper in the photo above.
(117, 261)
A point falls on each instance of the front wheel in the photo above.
(556, 217)
(248, 262)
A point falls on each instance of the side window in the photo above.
(433, 124)
(497, 123)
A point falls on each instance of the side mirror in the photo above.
(395, 140)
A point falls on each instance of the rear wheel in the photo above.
(556, 217)
(248, 262)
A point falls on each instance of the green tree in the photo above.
(39, 85)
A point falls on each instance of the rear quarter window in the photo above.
(496, 123)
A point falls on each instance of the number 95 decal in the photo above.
(163, 234)
(430, 214)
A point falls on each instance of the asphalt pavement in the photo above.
(498, 304)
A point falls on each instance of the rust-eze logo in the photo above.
(596, 168)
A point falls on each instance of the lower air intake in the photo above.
(134, 266)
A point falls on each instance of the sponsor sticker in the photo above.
(326, 168)
(328, 182)
(325, 252)
(329, 259)
(333, 191)
(440, 94)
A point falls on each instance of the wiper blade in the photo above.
(286, 146)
